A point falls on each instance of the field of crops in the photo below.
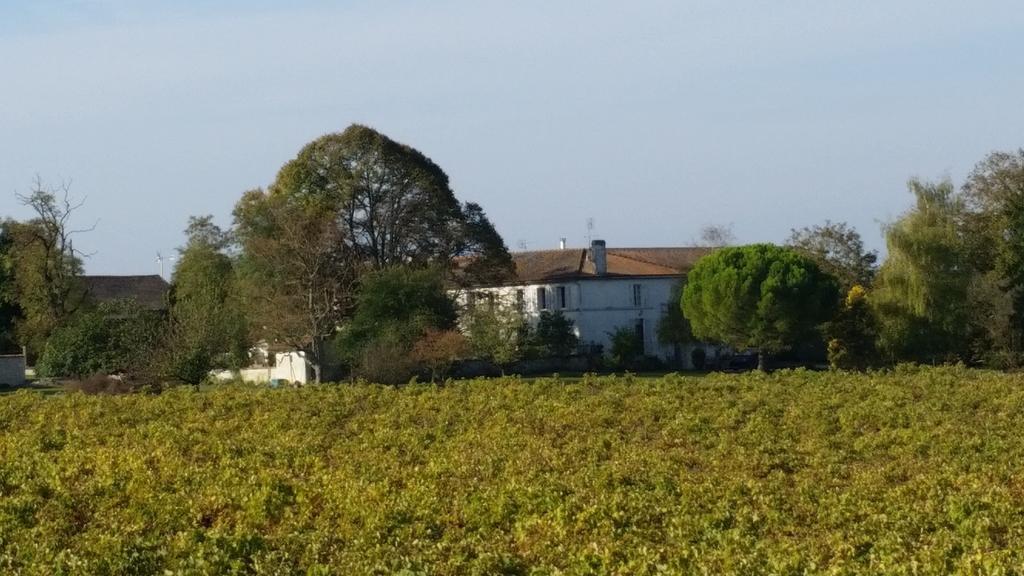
(917, 472)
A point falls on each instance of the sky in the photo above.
(655, 118)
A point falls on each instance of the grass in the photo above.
(912, 472)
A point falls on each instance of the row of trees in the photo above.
(350, 253)
(347, 255)
(950, 290)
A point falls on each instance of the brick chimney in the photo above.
(599, 257)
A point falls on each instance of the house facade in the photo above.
(601, 290)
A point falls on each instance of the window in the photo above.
(561, 297)
(542, 298)
(637, 295)
(471, 299)
(520, 299)
(489, 298)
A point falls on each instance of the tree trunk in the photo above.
(761, 361)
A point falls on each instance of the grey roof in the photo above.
(150, 291)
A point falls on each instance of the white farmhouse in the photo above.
(601, 290)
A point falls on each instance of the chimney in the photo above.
(599, 257)
(561, 243)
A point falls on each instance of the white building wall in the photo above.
(598, 307)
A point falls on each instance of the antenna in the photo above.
(590, 230)
(522, 245)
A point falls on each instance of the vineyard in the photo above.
(920, 471)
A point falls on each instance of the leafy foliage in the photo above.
(113, 338)
(297, 278)
(921, 290)
(674, 328)
(789, 473)
(838, 250)
(207, 327)
(852, 334)
(553, 335)
(497, 333)
(438, 350)
(759, 296)
(45, 265)
(397, 304)
(10, 311)
(626, 347)
(994, 234)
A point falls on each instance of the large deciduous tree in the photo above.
(760, 296)
(839, 250)
(350, 203)
(297, 273)
(921, 291)
(45, 264)
(394, 205)
(10, 312)
(994, 233)
(206, 327)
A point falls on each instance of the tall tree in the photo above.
(994, 231)
(394, 205)
(349, 203)
(761, 297)
(46, 264)
(839, 250)
(206, 327)
(297, 273)
(10, 312)
(921, 289)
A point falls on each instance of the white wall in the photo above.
(599, 306)
(290, 366)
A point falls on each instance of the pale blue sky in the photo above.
(653, 117)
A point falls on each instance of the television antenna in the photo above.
(590, 230)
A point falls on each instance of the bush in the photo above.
(114, 338)
(626, 347)
(438, 350)
(386, 360)
(553, 336)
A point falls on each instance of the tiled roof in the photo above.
(147, 291)
(573, 264)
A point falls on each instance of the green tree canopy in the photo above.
(10, 312)
(350, 203)
(394, 205)
(553, 335)
(921, 291)
(760, 296)
(399, 303)
(206, 328)
(45, 265)
(113, 338)
(994, 233)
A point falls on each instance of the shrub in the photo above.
(626, 347)
(387, 359)
(114, 338)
